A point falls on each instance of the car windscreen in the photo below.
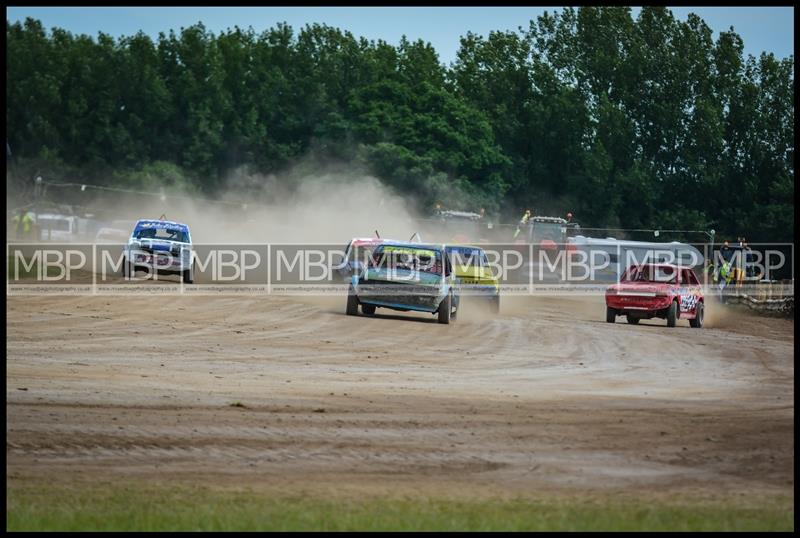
(553, 231)
(651, 273)
(408, 258)
(166, 234)
(61, 225)
(467, 257)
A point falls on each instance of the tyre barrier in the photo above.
(783, 307)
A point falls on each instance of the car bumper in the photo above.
(481, 290)
(637, 304)
(400, 296)
(163, 264)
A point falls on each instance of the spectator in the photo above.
(740, 263)
(726, 252)
(16, 220)
(724, 278)
(522, 222)
(23, 224)
(749, 269)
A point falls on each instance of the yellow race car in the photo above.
(474, 275)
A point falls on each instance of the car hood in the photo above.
(160, 244)
(475, 275)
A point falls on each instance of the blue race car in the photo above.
(159, 246)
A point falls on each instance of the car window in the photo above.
(650, 273)
(408, 258)
(163, 233)
(467, 256)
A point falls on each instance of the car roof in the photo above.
(53, 216)
(670, 265)
(420, 246)
(460, 214)
(611, 241)
(365, 240)
(556, 220)
(154, 223)
(473, 247)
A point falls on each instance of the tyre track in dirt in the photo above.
(545, 395)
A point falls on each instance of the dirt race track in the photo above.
(290, 393)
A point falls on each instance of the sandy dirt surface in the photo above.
(545, 397)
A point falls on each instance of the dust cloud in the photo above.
(312, 202)
(316, 208)
(319, 208)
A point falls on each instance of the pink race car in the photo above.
(656, 290)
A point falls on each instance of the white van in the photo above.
(53, 227)
(615, 255)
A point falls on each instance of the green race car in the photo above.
(406, 277)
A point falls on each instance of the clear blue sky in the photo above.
(769, 29)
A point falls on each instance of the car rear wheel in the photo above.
(444, 310)
(672, 314)
(368, 309)
(697, 322)
(352, 302)
(632, 320)
(611, 315)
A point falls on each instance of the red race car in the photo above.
(656, 290)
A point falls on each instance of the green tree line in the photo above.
(645, 122)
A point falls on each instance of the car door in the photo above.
(690, 291)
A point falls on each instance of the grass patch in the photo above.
(153, 508)
(238, 404)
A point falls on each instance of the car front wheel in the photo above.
(352, 303)
(611, 315)
(445, 308)
(672, 314)
(128, 269)
(188, 275)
